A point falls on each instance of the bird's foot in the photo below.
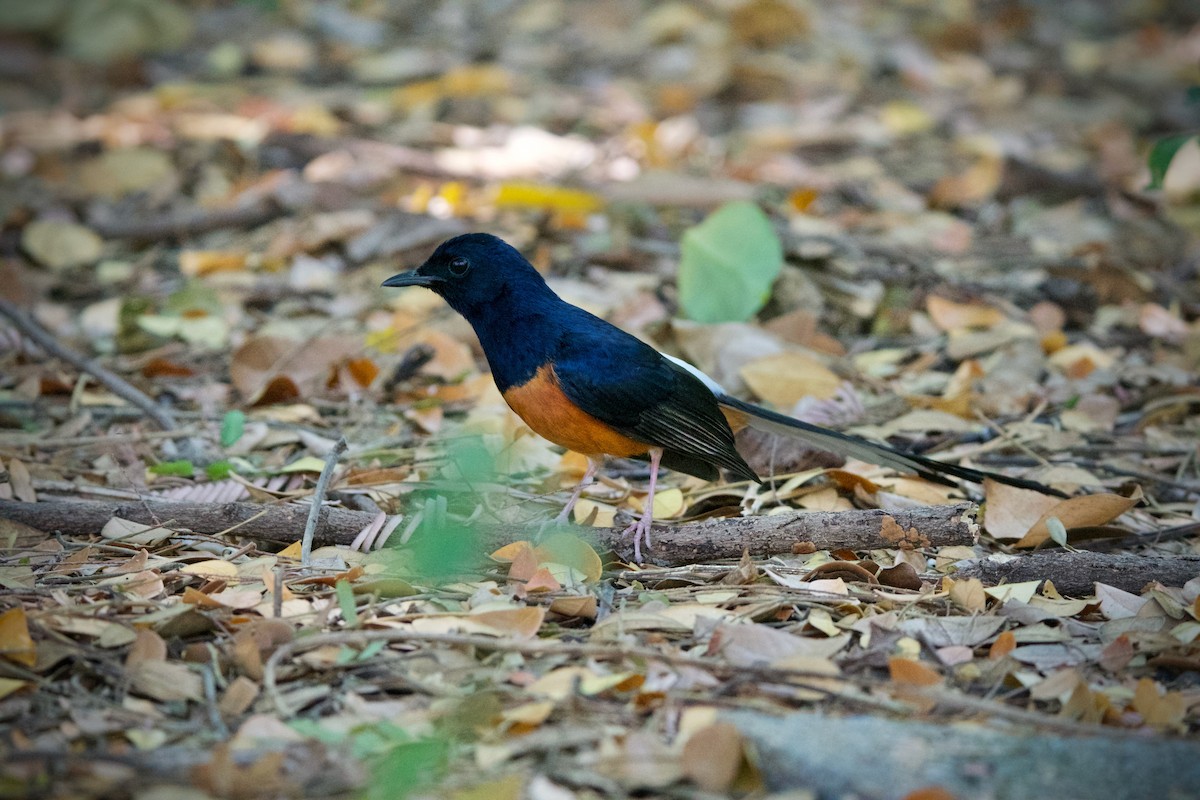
(641, 533)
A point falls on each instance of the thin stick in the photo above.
(548, 647)
(191, 223)
(314, 513)
(113, 382)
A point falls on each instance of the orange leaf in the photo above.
(363, 370)
(510, 551)
(162, 368)
(542, 581)
(1005, 643)
(911, 672)
(524, 565)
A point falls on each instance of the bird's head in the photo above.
(473, 271)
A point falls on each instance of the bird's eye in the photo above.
(459, 267)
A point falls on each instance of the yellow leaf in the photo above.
(903, 118)
(1023, 591)
(10, 685)
(528, 714)
(305, 464)
(556, 198)
(213, 568)
(569, 549)
(293, 550)
(15, 642)
(194, 263)
(605, 515)
(510, 552)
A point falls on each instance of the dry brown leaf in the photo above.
(752, 644)
(784, 379)
(968, 595)
(21, 481)
(542, 581)
(1080, 512)
(166, 681)
(1010, 512)
(745, 573)
(519, 623)
(148, 646)
(584, 606)
(713, 756)
(1117, 603)
(951, 316)
(238, 696)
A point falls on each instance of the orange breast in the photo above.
(545, 409)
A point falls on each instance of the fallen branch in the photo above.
(181, 225)
(1075, 573)
(687, 543)
(28, 326)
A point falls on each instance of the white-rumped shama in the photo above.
(590, 387)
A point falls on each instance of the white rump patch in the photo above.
(712, 385)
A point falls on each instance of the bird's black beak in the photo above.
(414, 278)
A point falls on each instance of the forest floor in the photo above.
(946, 205)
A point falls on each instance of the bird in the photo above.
(588, 386)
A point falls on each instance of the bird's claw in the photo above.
(641, 533)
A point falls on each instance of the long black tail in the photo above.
(844, 444)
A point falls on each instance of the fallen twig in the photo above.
(318, 498)
(190, 223)
(111, 381)
(685, 543)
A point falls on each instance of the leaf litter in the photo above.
(944, 249)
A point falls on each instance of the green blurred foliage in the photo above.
(100, 31)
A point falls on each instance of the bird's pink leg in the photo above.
(641, 528)
(589, 476)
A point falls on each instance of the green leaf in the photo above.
(1160, 157)
(232, 426)
(218, 470)
(1057, 531)
(729, 263)
(345, 598)
(181, 468)
(407, 768)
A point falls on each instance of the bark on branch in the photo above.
(687, 543)
(1076, 573)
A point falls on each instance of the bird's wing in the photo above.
(636, 391)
